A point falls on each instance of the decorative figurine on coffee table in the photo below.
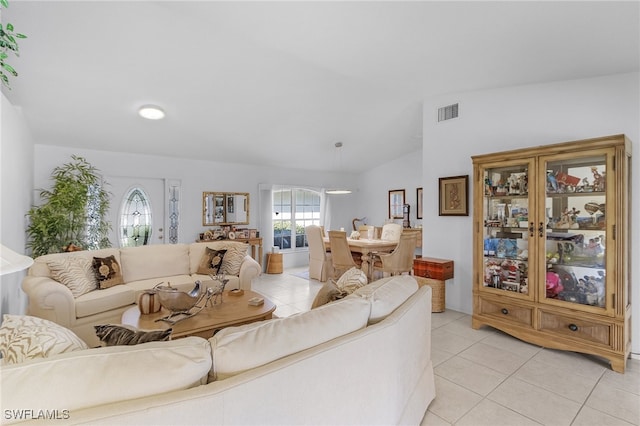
(217, 289)
(182, 305)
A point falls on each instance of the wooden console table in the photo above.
(253, 242)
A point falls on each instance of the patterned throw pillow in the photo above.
(74, 272)
(233, 259)
(211, 261)
(328, 293)
(107, 272)
(352, 280)
(24, 337)
(113, 335)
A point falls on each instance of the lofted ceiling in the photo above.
(278, 83)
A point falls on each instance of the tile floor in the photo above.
(485, 377)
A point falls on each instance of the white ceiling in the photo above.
(278, 83)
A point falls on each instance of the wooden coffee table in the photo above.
(235, 310)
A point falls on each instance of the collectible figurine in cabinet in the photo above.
(598, 179)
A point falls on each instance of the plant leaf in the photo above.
(5, 3)
(21, 35)
(10, 69)
(9, 26)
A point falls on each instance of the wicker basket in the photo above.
(437, 292)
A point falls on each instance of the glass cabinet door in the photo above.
(576, 229)
(506, 229)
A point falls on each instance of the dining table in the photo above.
(366, 247)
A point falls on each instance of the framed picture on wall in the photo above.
(396, 201)
(453, 198)
(419, 203)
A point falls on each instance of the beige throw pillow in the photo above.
(352, 280)
(74, 272)
(233, 259)
(328, 293)
(24, 337)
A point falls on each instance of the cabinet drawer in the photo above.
(505, 311)
(589, 331)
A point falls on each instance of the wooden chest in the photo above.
(431, 267)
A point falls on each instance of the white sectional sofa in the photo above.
(365, 359)
(141, 267)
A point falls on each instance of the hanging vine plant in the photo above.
(8, 44)
(73, 213)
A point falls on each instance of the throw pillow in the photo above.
(74, 272)
(328, 293)
(24, 337)
(352, 280)
(113, 335)
(233, 259)
(211, 261)
(107, 272)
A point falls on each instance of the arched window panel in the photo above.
(135, 219)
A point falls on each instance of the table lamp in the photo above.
(11, 262)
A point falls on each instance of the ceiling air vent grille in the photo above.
(448, 112)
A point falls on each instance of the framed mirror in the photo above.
(225, 208)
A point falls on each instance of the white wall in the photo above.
(516, 117)
(374, 186)
(16, 182)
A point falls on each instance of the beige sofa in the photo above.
(142, 268)
(365, 359)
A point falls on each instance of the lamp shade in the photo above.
(10, 261)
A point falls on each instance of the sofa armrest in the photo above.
(50, 300)
(249, 269)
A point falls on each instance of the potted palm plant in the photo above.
(73, 213)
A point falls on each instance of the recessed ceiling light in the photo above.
(151, 112)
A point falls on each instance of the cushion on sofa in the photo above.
(329, 292)
(387, 294)
(75, 272)
(104, 375)
(348, 282)
(352, 280)
(157, 260)
(24, 337)
(233, 258)
(105, 300)
(236, 349)
(108, 272)
(114, 335)
(211, 261)
(40, 267)
(182, 282)
(197, 250)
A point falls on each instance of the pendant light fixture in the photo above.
(338, 191)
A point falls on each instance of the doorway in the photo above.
(145, 197)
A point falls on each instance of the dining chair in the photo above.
(341, 257)
(367, 231)
(391, 232)
(320, 267)
(400, 260)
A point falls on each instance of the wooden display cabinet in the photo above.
(551, 244)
